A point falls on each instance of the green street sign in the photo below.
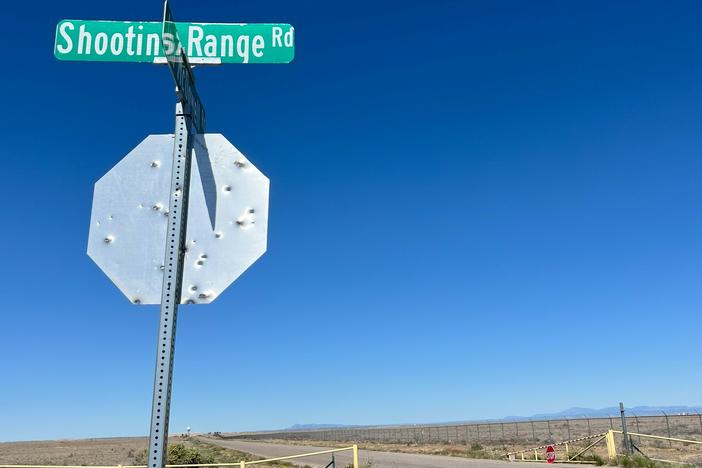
(140, 41)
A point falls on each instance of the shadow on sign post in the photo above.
(181, 71)
(184, 79)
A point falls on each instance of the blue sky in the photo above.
(477, 210)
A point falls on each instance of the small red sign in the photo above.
(550, 454)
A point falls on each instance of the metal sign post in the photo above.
(171, 290)
(174, 255)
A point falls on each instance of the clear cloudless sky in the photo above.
(478, 209)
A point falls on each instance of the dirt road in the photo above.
(375, 459)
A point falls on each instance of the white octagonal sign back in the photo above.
(227, 219)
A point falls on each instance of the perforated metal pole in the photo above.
(170, 293)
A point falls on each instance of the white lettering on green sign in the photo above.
(131, 41)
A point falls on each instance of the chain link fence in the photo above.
(539, 431)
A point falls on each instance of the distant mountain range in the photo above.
(570, 413)
(573, 413)
(303, 427)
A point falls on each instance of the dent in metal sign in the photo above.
(129, 217)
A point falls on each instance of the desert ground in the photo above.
(127, 450)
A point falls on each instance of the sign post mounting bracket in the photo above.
(171, 291)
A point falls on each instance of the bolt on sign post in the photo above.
(181, 216)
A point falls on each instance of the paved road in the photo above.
(378, 459)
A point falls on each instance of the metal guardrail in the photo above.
(674, 439)
(649, 436)
(242, 464)
(571, 459)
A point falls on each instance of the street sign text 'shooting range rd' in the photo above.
(182, 215)
(139, 41)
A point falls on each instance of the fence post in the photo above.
(533, 434)
(625, 433)
(503, 430)
(568, 426)
(516, 427)
(550, 436)
(490, 431)
(670, 442)
(589, 431)
(611, 446)
(465, 428)
(477, 428)
(355, 456)
(242, 464)
(636, 420)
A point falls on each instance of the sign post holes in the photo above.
(171, 290)
(189, 117)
